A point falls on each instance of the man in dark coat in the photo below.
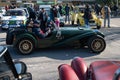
(43, 18)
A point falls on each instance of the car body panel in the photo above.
(104, 69)
(69, 73)
(68, 36)
(98, 70)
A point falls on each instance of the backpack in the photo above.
(106, 10)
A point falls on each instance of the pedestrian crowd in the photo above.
(65, 10)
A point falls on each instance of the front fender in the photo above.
(25, 35)
(67, 73)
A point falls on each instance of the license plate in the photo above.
(12, 25)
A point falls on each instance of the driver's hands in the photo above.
(58, 34)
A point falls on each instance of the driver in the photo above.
(35, 28)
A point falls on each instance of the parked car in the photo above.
(13, 18)
(12, 70)
(98, 70)
(26, 12)
(2, 10)
(77, 17)
(25, 42)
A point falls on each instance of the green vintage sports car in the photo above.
(25, 41)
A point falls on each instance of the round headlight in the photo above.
(18, 22)
(7, 22)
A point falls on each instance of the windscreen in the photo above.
(14, 13)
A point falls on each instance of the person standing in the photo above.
(87, 16)
(60, 9)
(54, 12)
(106, 15)
(43, 18)
(115, 9)
(67, 15)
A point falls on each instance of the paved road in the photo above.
(43, 63)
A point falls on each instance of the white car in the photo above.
(26, 11)
(13, 18)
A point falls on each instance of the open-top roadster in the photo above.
(25, 41)
(98, 70)
(12, 70)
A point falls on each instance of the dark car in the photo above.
(12, 70)
(25, 42)
(98, 70)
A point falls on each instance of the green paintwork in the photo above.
(68, 36)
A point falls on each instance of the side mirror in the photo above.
(21, 67)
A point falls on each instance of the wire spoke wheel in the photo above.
(25, 46)
(97, 44)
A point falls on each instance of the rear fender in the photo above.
(25, 35)
(80, 68)
(66, 72)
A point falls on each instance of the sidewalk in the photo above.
(114, 22)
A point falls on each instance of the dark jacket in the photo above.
(87, 13)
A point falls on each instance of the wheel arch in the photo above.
(28, 36)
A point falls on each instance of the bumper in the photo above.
(10, 26)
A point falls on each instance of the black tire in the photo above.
(98, 27)
(96, 44)
(9, 38)
(72, 22)
(25, 46)
(78, 21)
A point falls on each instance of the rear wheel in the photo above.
(25, 46)
(9, 38)
(96, 44)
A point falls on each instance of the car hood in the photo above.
(74, 31)
(14, 18)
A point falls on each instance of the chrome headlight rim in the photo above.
(5, 22)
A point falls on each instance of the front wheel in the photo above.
(96, 44)
(25, 46)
